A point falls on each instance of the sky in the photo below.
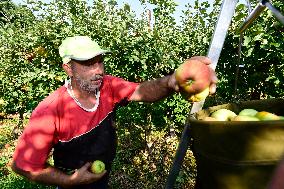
(138, 8)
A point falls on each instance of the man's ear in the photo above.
(67, 68)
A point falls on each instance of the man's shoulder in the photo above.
(52, 100)
(110, 77)
(112, 80)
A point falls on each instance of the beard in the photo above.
(87, 85)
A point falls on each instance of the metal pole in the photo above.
(275, 12)
(249, 6)
(252, 16)
(217, 42)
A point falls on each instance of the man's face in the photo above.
(88, 74)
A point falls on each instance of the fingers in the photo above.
(213, 77)
(97, 176)
(172, 83)
(202, 59)
(214, 80)
(85, 176)
(212, 88)
(176, 87)
(100, 175)
(86, 166)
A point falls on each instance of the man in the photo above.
(76, 120)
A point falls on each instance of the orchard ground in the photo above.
(138, 164)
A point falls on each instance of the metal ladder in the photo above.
(224, 20)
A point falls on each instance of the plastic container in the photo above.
(237, 154)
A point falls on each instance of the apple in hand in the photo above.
(97, 167)
(223, 114)
(194, 77)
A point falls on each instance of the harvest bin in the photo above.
(237, 155)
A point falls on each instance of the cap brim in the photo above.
(90, 55)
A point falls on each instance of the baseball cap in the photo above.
(79, 48)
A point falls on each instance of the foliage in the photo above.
(262, 55)
(30, 64)
(147, 165)
(6, 7)
(9, 179)
(30, 68)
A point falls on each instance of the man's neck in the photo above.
(85, 98)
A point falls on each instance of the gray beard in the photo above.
(87, 85)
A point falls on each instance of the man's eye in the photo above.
(89, 63)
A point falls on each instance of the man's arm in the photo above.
(53, 176)
(154, 90)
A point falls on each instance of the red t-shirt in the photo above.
(59, 118)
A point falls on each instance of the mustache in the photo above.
(96, 77)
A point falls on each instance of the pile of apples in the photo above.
(244, 115)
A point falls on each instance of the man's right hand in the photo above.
(85, 176)
(52, 176)
(195, 75)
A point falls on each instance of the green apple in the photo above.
(223, 114)
(248, 112)
(245, 118)
(97, 167)
(266, 116)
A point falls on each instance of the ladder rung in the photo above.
(252, 16)
(257, 11)
(275, 12)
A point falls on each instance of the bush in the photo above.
(30, 68)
